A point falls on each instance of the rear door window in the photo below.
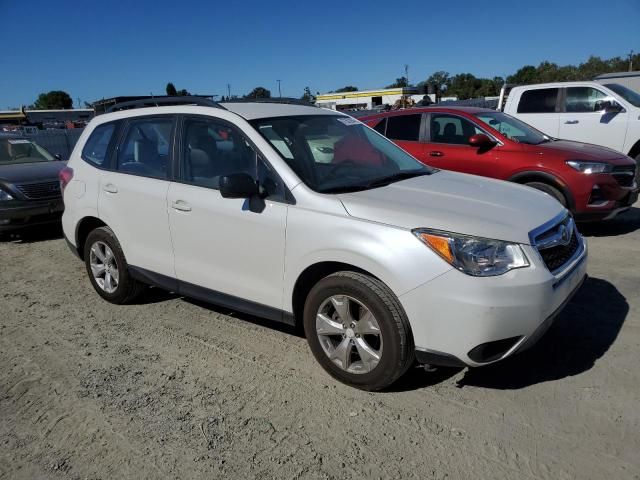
(404, 127)
(541, 100)
(146, 147)
(381, 126)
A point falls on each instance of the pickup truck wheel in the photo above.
(549, 190)
(108, 269)
(358, 331)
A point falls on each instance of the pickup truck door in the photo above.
(540, 108)
(585, 120)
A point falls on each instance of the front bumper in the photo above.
(460, 320)
(20, 214)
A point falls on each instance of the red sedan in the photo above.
(594, 182)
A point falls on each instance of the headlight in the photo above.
(4, 196)
(479, 257)
(589, 167)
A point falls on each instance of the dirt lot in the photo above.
(171, 388)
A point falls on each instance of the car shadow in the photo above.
(624, 223)
(39, 233)
(581, 335)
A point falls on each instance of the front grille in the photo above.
(35, 191)
(556, 257)
(558, 244)
(624, 175)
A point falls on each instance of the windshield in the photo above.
(629, 95)
(333, 153)
(21, 150)
(513, 128)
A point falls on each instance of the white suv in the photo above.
(307, 216)
(607, 115)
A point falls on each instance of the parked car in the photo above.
(383, 260)
(607, 115)
(29, 186)
(593, 182)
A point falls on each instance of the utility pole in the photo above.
(279, 91)
(229, 90)
(631, 61)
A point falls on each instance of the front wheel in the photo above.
(358, 331)
(549, 190)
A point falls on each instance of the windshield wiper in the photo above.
(396, 177)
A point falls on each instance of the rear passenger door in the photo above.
(540, 108)
(449, 148)
(133, 192)
(226, 251)
(406, 131)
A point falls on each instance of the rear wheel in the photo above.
(549, 190)
(358, 331)
(108, 269)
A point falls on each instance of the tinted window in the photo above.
(452, 129)
(541, 100)
(585, 99)
(95, 150)
(381, 126)
(145, 149)
(213, 149)
(404, 127)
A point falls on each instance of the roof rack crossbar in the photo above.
(164, 101)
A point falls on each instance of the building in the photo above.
(628, 79)
(45, 119)
(368, 99)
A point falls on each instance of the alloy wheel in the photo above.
(104, 267)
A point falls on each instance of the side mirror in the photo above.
(480, 140)
(238, 185)
(612, 107)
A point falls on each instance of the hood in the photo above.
(458, 203)
(581, 151)
(30, 172)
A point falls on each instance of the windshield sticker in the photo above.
(349, 121)
(16, 142)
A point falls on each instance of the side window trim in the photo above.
(179, 149)
(124, 130)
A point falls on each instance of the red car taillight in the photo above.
(65, 175)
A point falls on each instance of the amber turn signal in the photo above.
(439, 244)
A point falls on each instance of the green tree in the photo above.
(171, 90)
(348, 88)
(53, 100)
(307, 96)
(400, 82)
(259, 92)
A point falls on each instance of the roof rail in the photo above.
(164, 101)
(285, 100)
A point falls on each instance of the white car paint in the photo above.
(619, 131)
(218, 244)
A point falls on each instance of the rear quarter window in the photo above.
(541, 100)
(97, 146)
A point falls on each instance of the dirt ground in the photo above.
(171, 388)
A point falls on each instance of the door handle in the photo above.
(110, 188)
(571, 122)
(436, 153)
(181, 206)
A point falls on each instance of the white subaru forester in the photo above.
(306, 216)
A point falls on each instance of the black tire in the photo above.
(549, 190)
(128, 288)
(398, 350)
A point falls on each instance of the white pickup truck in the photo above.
(607, 115)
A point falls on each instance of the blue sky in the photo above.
(97, 49)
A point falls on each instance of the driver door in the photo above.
(226, 251)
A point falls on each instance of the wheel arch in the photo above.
(635, 150)
(84, 227)
(544, 177)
